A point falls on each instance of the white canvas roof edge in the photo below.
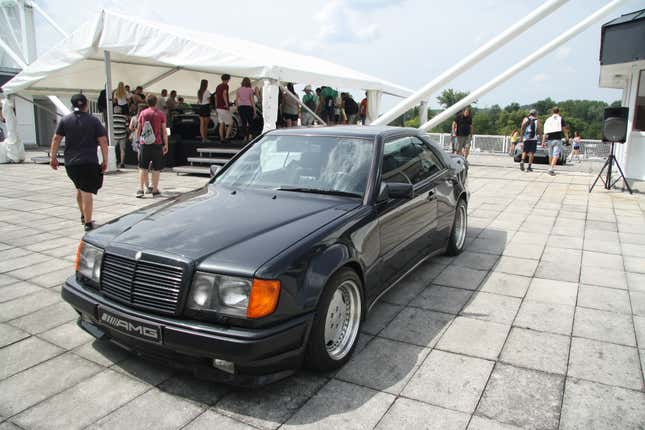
(90, 40)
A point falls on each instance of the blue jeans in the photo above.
(555, 148)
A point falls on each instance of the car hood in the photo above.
(229, 230)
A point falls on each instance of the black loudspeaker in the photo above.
(614, 125)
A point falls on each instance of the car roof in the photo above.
(367, 131)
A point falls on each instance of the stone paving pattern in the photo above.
(539, 324)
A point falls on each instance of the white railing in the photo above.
(589, 148)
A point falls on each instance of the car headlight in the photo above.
(88, 262)
(233, 296)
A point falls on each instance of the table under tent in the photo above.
(113, 47)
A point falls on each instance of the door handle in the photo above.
(432, 195)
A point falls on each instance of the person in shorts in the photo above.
(462, 128)
(529, 132)
(222, 105)
(83, 132)
(204, 109)
(120, 130)
(554, 129)
(153, 150)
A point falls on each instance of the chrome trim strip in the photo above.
(395, 283)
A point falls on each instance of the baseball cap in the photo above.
(79, 101)
(307, 88)
(533, 112)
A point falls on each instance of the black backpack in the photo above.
(351, 108)
(531, 128)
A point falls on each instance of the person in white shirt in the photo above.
(554, 129)
(204, 110)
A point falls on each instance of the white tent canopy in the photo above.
(162, 56)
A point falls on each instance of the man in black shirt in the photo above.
(83, 133)
(462, 128)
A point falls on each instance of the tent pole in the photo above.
(293, 96)
(108, 97)
(520, 66)
(484, 51)
(164, 75)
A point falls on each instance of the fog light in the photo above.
(225, 366)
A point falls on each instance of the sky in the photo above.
(408, 42)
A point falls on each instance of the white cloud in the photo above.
(563, 53)
(541, 77)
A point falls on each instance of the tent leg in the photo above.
(109, 126)
(270, 103)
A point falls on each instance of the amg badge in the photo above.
(130, 327)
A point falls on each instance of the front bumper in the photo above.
(261, 356)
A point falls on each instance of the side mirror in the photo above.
(395, 190)
(214, 169)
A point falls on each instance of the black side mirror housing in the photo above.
(214, 169)
(395, 190)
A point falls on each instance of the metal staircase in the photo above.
(200, 165)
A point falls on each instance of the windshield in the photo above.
(303, 163)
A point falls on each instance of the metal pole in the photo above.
(23, 26)
(294, 97)
(48, 19)
(520, 66)
(108, 96)
(491, 46)
(12, 54)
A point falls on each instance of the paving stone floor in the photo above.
(539, 324)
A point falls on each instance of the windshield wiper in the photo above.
(319, 191)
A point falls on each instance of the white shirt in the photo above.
(205, 98)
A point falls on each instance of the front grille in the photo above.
(141, 283)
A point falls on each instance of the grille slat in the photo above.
(150, 285)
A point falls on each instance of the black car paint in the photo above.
(300, 239)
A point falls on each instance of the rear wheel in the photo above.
(459, 228)
(334, 333)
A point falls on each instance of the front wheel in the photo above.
(334, 333)
(459, 228)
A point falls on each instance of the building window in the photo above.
(639, 117)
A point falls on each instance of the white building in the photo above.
(622, 66)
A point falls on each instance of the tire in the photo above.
(457, 238)
(344, 288)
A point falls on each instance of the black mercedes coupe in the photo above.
(275, 263)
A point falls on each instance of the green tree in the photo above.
(449, 97)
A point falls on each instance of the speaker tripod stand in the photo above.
(611, 160)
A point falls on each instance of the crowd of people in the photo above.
(550, 135)
(141, 120)
(329, 105)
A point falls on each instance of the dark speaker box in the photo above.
(614, 125)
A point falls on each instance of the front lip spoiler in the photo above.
(261, 355)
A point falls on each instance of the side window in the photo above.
(408, 160)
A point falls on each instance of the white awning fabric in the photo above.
(164, 56)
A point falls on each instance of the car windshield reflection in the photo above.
(310, 164)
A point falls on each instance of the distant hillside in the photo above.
(583, 116)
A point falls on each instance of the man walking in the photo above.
(83, 133)
(554, 129)
(222, 105)
(531, 129)
(310, 100)
(153, 139)
(462, 127)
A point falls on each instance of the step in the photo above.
(208, 160)
(192, 170)
(231, 151)
(45, 160)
